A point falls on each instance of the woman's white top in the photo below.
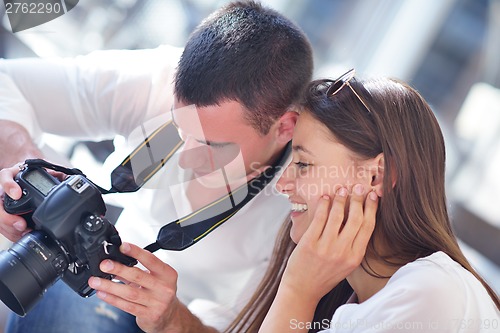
(431, 294)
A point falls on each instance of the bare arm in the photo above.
(188, 323)
(15, 144)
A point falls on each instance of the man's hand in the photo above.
(16, 144)
(149, 294)
(11, 226)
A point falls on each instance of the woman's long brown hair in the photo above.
(251, 317)
(412, 214)
(253, 314)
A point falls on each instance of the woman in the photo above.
(376, 142)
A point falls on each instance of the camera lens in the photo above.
(28, 268)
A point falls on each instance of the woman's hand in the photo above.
(326, 254)
(330, 250)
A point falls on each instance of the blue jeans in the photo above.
(61, 310)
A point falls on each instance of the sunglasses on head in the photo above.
(343, 81)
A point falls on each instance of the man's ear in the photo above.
(285, 126)
(379, 173)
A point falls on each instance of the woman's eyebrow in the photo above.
(300, 148)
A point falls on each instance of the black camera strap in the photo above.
(162, 144)
(186, 231)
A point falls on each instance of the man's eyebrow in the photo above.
(205, 142)
(299, 148)
(213, 143)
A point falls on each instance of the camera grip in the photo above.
(23, 205)
(96, 240)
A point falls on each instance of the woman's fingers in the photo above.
(355, 217)
(319, 220)
(360, 220)
(365, 232)
(336, 215)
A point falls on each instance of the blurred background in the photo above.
(448, 49)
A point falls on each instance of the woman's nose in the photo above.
(286, 183)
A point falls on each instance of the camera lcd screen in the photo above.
(42, 182)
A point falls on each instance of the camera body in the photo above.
(69, 240)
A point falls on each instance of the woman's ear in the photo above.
(377, 174)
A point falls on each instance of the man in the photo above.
(244, 69)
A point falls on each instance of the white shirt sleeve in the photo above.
(14, 107)
(95, 96)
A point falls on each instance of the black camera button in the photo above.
(93, 223)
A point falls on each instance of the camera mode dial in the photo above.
(93, 223)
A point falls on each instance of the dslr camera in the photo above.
(70, 238)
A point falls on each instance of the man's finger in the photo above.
(10, 187)
(151, 262)
(131, 274)
(127, 294)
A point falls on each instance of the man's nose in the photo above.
(194, 155)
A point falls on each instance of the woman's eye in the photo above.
(301, 165)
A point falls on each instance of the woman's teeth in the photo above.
(296, 207)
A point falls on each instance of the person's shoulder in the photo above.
(432, 282)
(425, 288)
(436, 262)
(435, 283)
(437, 288)
(436, 274)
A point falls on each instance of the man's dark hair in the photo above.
(247, 53)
